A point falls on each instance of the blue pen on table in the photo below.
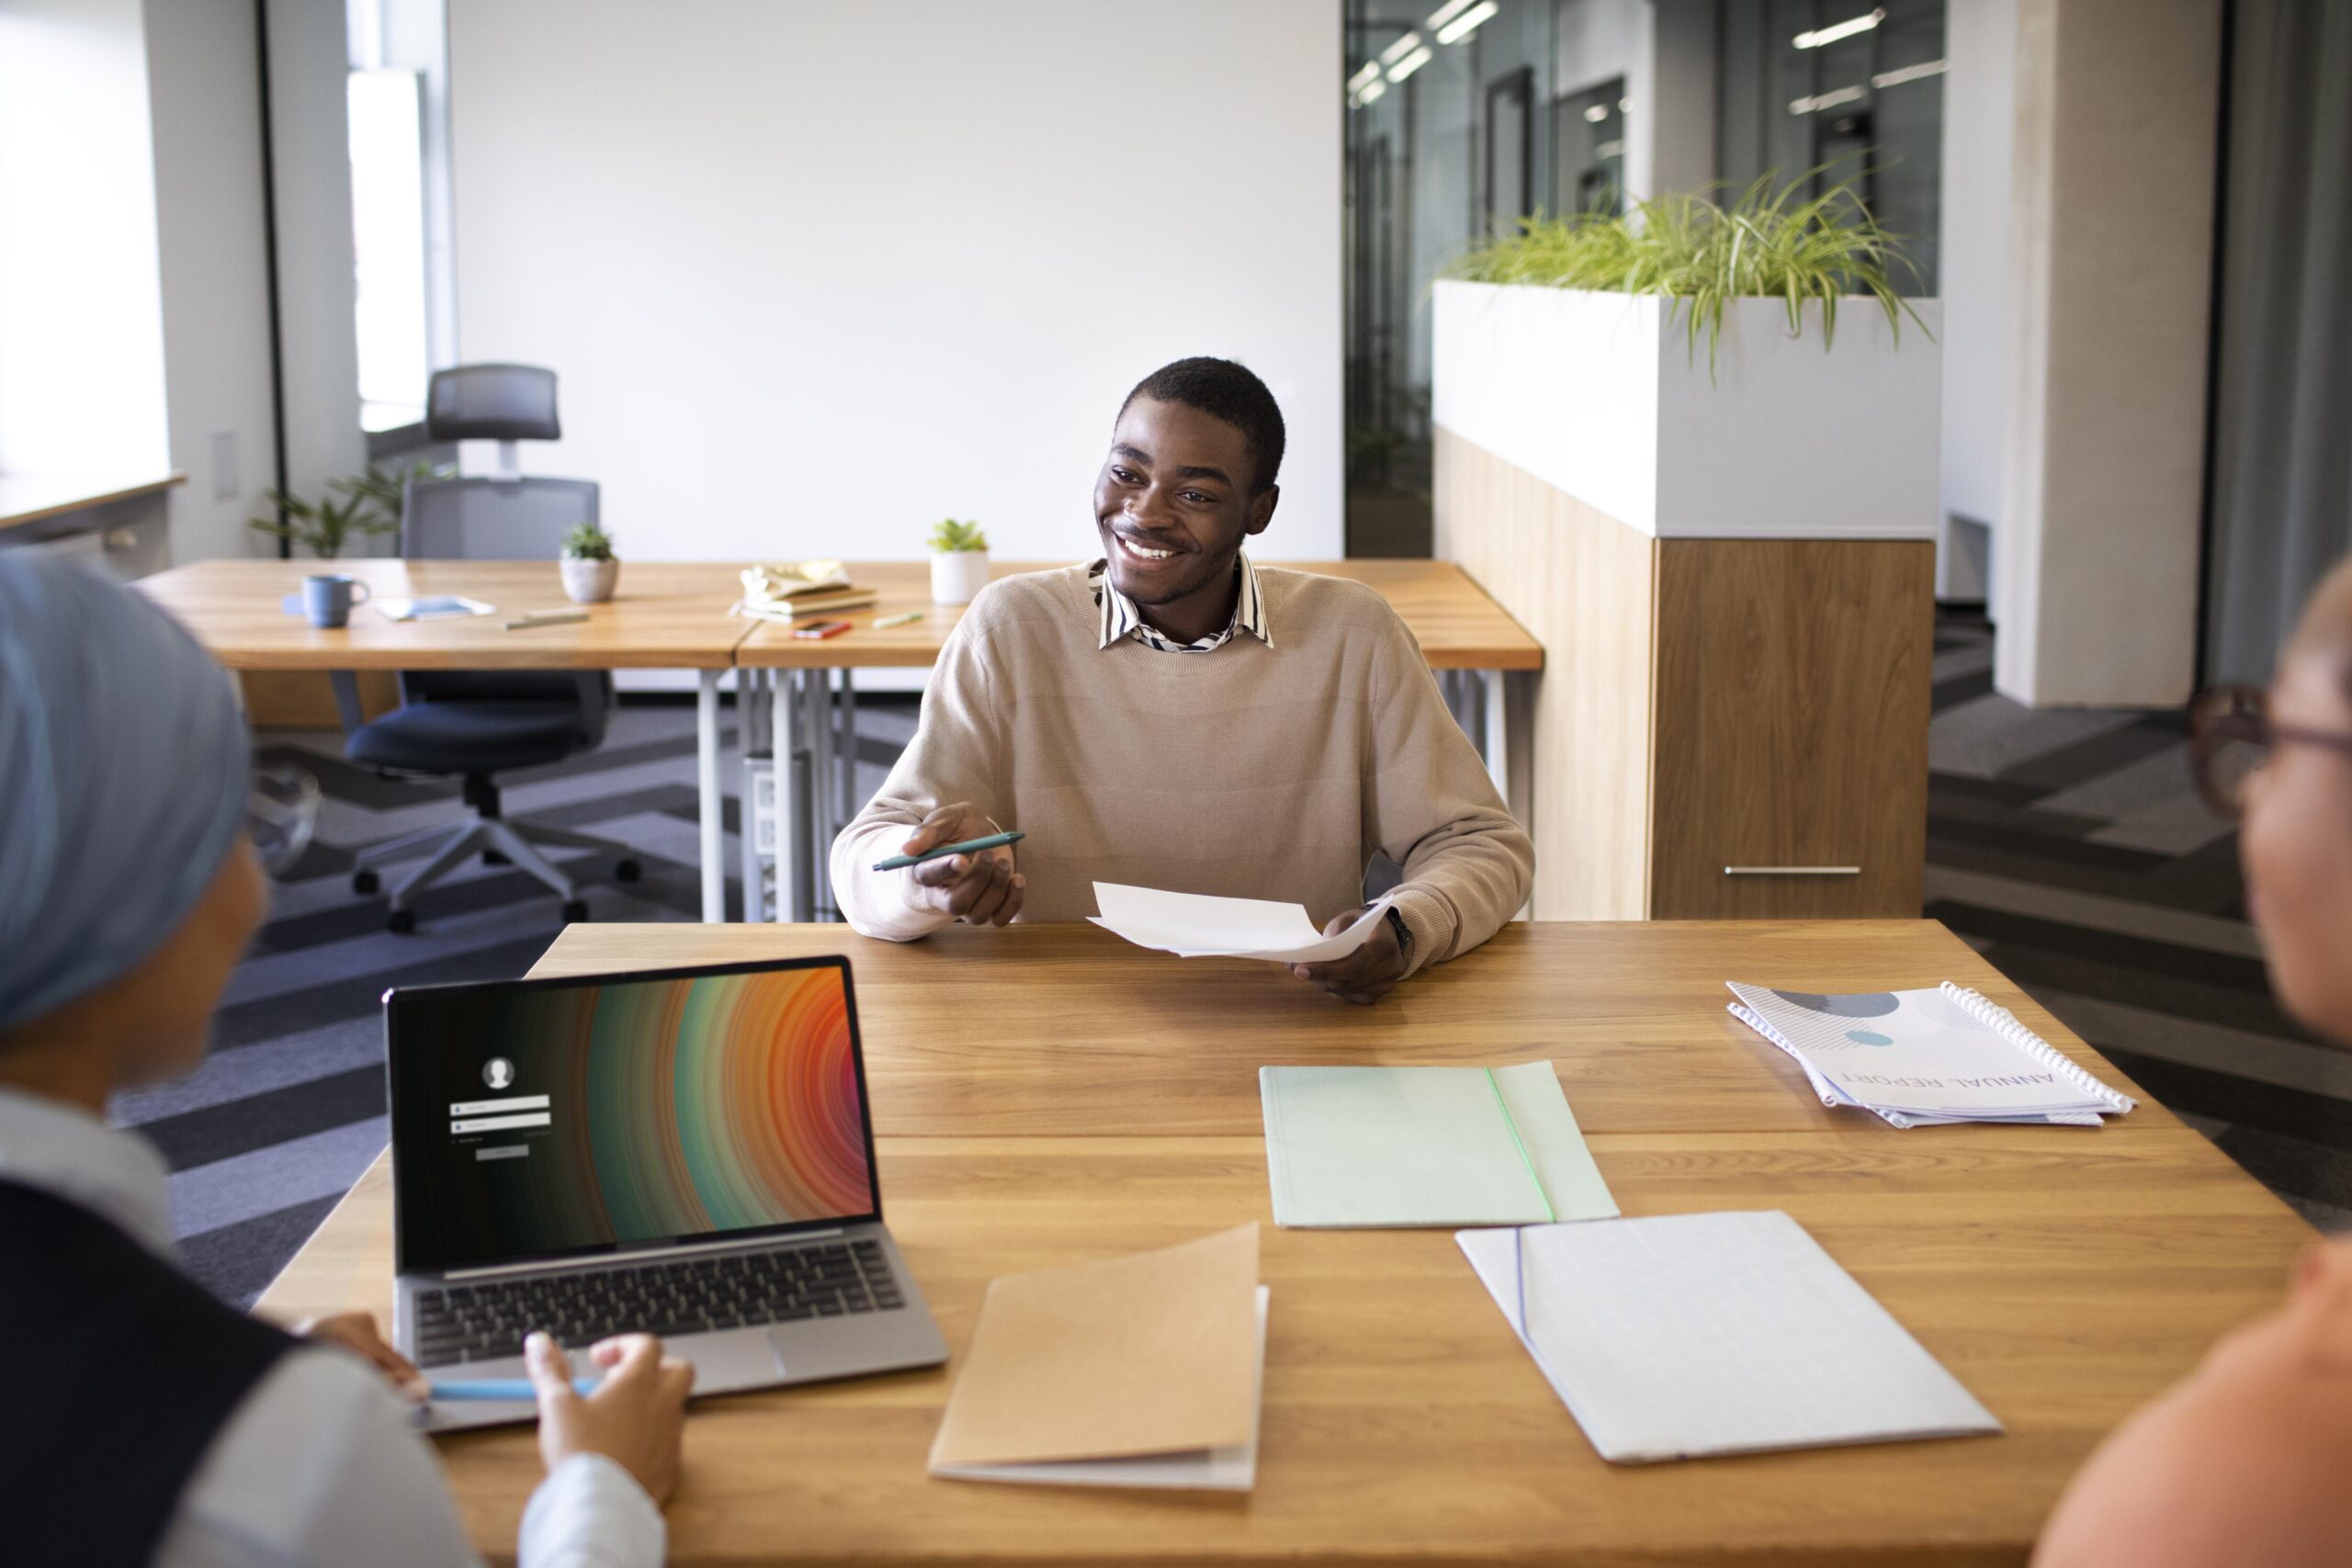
(518, 1388)
(968, 847)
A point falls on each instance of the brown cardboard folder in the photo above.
(1157, 1353)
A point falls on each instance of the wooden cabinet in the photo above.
(1724, 727)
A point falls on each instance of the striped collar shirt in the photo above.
(1122, 618)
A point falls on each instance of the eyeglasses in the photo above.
(2230, 739)
(281, 813)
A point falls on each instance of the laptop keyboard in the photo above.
(486, 1322)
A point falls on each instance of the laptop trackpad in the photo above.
(741, 1358)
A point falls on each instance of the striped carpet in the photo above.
(2067, 847)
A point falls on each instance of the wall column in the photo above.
(2097, 558)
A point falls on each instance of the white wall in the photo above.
(81, 341)
(815, 275)
(205, 88)
(1980, 139)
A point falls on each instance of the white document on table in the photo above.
(1229, 1469)
(1196, 925)
(1690, 1335)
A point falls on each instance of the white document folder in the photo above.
(1690, 1335)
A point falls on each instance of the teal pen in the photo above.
(517, 1389)
(968, 847)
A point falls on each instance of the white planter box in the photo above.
(1599, 395)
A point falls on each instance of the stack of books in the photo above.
(800, 591)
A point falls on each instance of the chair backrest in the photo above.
(491, 403)
(489, 519)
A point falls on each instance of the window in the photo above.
(386, 110)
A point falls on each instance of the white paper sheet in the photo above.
(1195, 925)
(1690, 1335)
(1231, 1468)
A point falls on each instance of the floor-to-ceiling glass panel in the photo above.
(1449, 132)
(1855, 86)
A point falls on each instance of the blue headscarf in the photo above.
(124, 766)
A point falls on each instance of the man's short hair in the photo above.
(1223, 389)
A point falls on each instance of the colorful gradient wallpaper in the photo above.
(673, 1107)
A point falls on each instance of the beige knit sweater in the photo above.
(1254, 770)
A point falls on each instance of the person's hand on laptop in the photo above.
(636, 1418)
(356, 1332)
(979, 889)
(1369, 973)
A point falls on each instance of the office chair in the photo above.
(474, 725)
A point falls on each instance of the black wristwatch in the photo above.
(1403, 932)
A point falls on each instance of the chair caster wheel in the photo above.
(627, 871)
(495, 857)
(575, 911)
(364, 881)
(401, 921)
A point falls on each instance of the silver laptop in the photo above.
(686, 1153)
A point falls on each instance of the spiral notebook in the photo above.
(1923, 1057)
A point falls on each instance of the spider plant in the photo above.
(1769, 243)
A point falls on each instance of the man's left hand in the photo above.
(356, 1332)
(1364, 975)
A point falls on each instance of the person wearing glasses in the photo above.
(2246, 1461)
(145, 1422)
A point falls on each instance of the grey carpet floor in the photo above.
(2067, 847)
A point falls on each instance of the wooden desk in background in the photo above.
(672, 614)
(1046, 1094)
(1462, 633)
(666, 615)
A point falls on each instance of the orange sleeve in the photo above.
(2244, 1462)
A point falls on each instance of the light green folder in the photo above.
(1373, 1147)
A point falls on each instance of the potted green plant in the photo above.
(1703, 368)
(324, 526)
(959, 561)
(589, 572)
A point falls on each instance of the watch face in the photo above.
(1403, 932)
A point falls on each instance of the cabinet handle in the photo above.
(1793, 871)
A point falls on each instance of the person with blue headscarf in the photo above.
(145, 1421)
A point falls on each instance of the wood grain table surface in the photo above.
(1459, 627)
(1048, 1094)
(665, 615)
(674, 614)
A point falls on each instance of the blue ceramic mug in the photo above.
(328, 597)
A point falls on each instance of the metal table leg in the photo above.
(821, 795)
(783, 734)
(714, 874)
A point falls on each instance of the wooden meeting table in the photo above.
(1043, 1095)
(667, 616)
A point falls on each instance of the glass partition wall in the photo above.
(1466, 114)
(1448, 130)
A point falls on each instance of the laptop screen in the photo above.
(534, 1119)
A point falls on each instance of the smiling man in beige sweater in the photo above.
(1175, 717)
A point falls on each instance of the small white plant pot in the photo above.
(957, 575)
(589, 582)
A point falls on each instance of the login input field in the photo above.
(496, 1106)
(500, 1123)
